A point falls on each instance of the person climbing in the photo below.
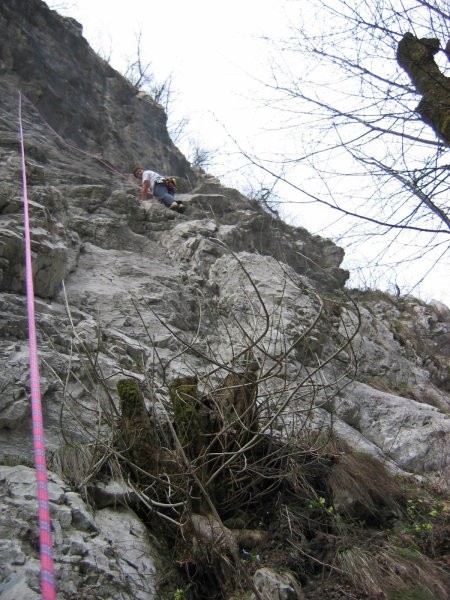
(158, 186)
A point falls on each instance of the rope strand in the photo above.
(47, 569)
(75, 148)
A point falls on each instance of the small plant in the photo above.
(320, 504)
(423, 517)
(252, 557)
(178, 594)
(403, 389)
(420, 516)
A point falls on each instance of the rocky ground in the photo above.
(130, 290)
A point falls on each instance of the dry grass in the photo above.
(390, 570)
(362, 487)
(78, 464)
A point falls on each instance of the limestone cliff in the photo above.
(127, 289)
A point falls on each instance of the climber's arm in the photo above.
(144, 190)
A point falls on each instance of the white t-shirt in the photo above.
(151, 177)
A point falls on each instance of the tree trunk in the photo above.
(416, 57)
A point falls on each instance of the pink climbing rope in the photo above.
(47, 569)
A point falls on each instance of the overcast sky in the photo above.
(218, 54)
(213, 50)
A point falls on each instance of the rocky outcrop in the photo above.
(49, 61)
(129, 290)
(102, 556)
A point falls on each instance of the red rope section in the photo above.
(47, 569)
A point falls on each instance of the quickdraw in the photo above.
(170, 183)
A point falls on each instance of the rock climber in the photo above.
(155, 184)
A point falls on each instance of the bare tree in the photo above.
(416, 56)
(200, 156)
(265, 195)
(222, 438)
(361, 87)
(232, 464)
(60, 5)
(140, 73)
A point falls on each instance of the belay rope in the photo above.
(45, 542)
(48, 590)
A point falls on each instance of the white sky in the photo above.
(210, 48)
(216, 52)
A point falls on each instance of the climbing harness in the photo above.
(171, 184)
(45, 543)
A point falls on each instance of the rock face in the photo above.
(50, 62)
(273, 586)
(100, 557)
(125, 288)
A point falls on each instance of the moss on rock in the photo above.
(183, 394)
(137, 432)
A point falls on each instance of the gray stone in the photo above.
(112, 493)
(274, 585)
(15, 587)
(109, 554)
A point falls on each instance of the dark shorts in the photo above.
(161, 192)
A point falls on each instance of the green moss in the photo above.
(130, 397)
(137, 434)
(183, 387)
(184, 397)
(444, 125)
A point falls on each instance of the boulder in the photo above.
(275, 585)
